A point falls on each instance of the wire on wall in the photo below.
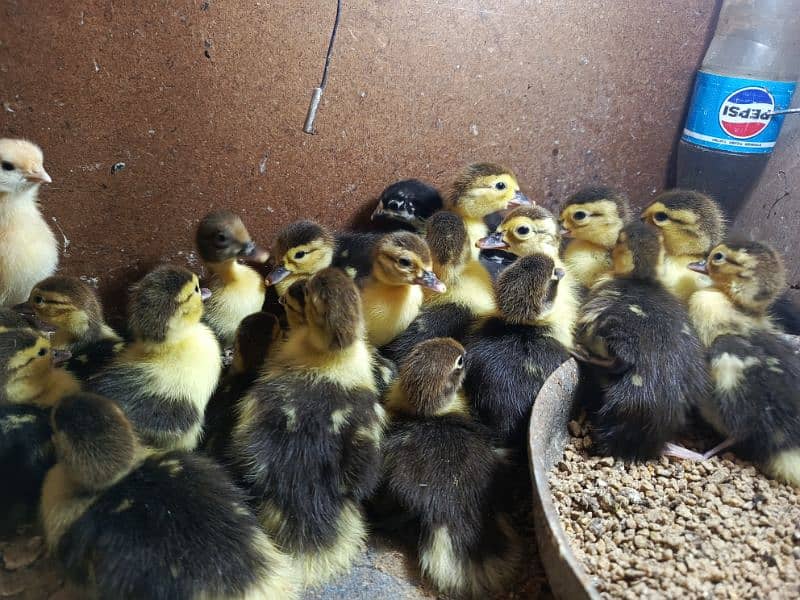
(316, 95)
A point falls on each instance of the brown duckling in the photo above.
(127, 522)
(467, 546)
(591, 220)
(649, 361)
(392, 294)
(480, 190)
(691, 223)
(756, 372)
(73, 309)
(236, 289)
(165, 377)
(306, 445)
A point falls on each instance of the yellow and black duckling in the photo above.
(256, 335)
(73, 309)
(480, 190)
(510, 356)
(165, 377)
(469, 289)
(236, 289)
(691, 224)
(407, 205)
(442, 470)
(306, 445)
(28, 248)
(129, 523)
(648, 357)
(591, 220)
(756, 373)
(392, 294)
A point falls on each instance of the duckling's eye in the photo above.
(660, 216)
(221, 237)
(299, 254)
(197, 289)
(42, 351)
(718, 256)
(404, 262)
(579, 215)
(7, 166)
(500, 185)
(39, 300)
(460, 362)
(523, 230)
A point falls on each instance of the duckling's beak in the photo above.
(205, 294)
(60, 356)
(700, 266)
(26, 311)
(494, 241)
(252, 252)
(564, 232)
(558, 273)
(518, 199)
(38, 176)
(431, 281)
(279, 273)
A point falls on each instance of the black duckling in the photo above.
(442, 469)
(756, 372)
(165, 377)
(591, 220)
(649, 359)
(236, 289)
(128, 523)
(73, 309)
(406, 204)
(691, 224)
(306, 445)
(510, 356)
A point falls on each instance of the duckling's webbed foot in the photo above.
(719, 448)
(677, 451)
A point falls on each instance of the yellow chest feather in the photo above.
(47, 392)
(713, 315)
(586, 261)
(476, 229)
(565, 312)
(232, 300)
(389, 310)
(473, 288)
(680, 280)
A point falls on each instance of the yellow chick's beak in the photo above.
(38, 176)
(518, 199)
(60, 357)
(429, 280)
(279, 273)
(700, 266)
(205, 294)
(252, 253)
(564, 232)
(494, 241)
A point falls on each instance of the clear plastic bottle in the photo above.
(749, 71)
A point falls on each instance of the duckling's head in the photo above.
(751, 274)
(431, 375)
(639, 252)
(526, 291)
(485, 188)
(294, 303)
(408, 204)
(93, 439)
(26, 361)
(21, 166)
(403, 258)
(12, 319)
(595, 215)
(333, 310)
(164, 303)
(221, 236)
(692, 222)
(448, 242)
(525, 230)
(301, 248)
(66, 303)
(254, 338)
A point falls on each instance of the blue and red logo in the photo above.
(746, 112)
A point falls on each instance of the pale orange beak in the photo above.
(38, 176)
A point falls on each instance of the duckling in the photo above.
(406, 204)
(756, 372)
(306, 445)
(392, 294)
(15, 319)
(73, 309)
(256, 335)
(480, 190)
(691, 223)
(591, 219)
(467, 546)
(510, 356)
(236, 289)
(165, 377)
(28, 248)
(127, 522)
(647, 353)
(30, 369)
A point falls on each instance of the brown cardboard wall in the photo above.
(204, 101)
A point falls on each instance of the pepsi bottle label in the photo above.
(734, 114)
